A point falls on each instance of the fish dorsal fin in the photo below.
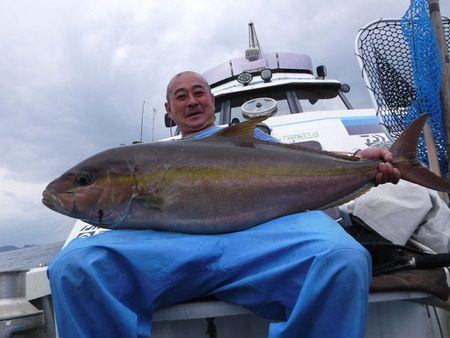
(243, 129)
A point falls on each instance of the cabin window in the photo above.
(315, 100)
(230, 109)
(334, 103)
(290, 100)
(282, 109)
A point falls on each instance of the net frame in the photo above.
(384, 56)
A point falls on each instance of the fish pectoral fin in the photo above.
(243, 129)
(150, 202)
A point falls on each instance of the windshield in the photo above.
(334, 103)
(289, 101)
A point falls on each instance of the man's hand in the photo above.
(386, 171)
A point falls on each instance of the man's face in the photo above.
(190, 103)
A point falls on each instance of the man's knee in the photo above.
(70, 263)
(351, 263)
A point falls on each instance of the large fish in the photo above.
(227, 182)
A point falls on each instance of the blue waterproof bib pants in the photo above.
(302, 270)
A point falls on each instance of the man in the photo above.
(301, 270)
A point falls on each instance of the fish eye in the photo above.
(84, 179)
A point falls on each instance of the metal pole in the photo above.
(142, 119)
(153, 124)
(435, 15)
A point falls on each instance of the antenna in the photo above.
(252, 38)
(254, 51)
(142, 119)
(153, 124)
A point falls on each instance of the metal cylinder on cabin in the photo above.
(18, 317)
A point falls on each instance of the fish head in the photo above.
(98, 191)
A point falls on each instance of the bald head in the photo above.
(170, 85)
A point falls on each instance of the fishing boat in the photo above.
(302, 105)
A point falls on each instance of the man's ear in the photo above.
(169, 120)
(168, 110)
(167, 106)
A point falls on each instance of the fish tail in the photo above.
(404, 151)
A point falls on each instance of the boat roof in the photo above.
(287, 69)
(279, 80)
(275, 61)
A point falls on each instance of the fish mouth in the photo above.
(53, 202)
(65, 204)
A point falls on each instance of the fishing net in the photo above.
(402, 65)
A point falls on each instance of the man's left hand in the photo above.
(386, 171)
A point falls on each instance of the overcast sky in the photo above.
(74, 75)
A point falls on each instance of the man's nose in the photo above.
(192, 100)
